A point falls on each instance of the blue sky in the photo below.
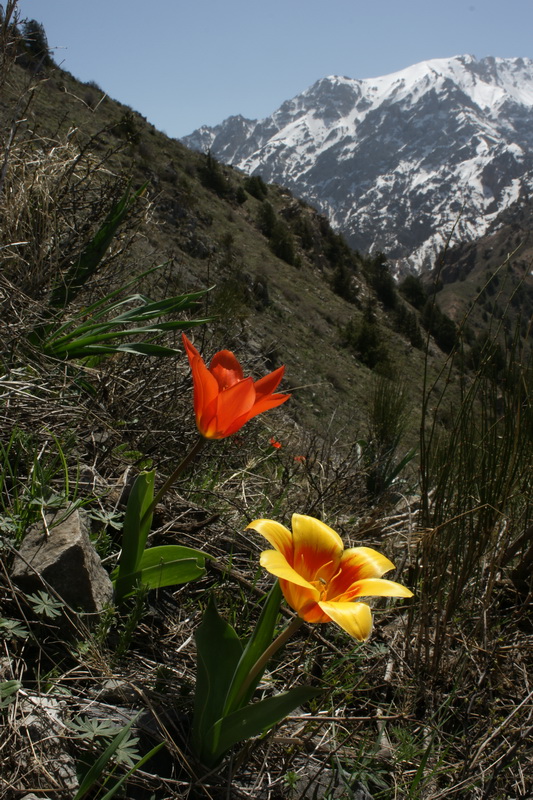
(184, 63)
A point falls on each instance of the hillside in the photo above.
(208, 591)
(206, 222)
(491, 278)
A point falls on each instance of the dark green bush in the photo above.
(362, 335)
(413, 290)
(256, 186)
(441, 327)
(378, 273)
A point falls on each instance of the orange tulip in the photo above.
(224, 400)
(320, 579)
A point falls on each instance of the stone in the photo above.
(33, 796)
(328, 783)
(62, 555)
(41, 719)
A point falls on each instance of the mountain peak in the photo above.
(399, 161)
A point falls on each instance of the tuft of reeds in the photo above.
(476, 480)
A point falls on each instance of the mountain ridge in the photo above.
(400, 161)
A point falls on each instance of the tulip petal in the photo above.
(368, 562)
(190, 349)
(263, 405)
(205, 388)
(354, 618)
(317, 548)
(233, 404)
(226, 369)
(267, 402)
(374, 587)
(358, 563)
(277, 565)
(303, 601)
(205, 392)
(276, 534)
(269, 383)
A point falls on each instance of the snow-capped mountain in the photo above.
(401, 162)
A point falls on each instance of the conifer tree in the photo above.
(36, 44)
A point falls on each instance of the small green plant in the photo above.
(93, 730)
(44, 605)
(99, 330)
(121, 749)
(8, 691)
(291, 779)
(85, 266)
(34, 480)
(154, 567)
(228, 672)
(12, 628)
(90, 728)
(387, 417)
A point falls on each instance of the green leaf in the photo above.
(108, 795)
(155, 556)
(7, 691)
(94, 331)
(138, 348)
(402, 464)
(258, 718)
(167, 565)
(42, 603)
(135, 531)
(96, 770)
(147, 349)
(218, 651)
(255, 647)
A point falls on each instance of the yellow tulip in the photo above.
(320, 579)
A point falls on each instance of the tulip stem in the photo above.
(195, 449)
(265, 657)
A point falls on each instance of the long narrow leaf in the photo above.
(98, 333)
(108, 795)
(104, 306)
(258, 718)
(138, 348)
(258, 642)
(93, 320)
(218, 651)
(73, 340)
(94, 773)
(155, 308)
(134, 533)
(408, 457)
(92, 310)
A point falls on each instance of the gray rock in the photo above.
(40, 718)
(328, 783)
(63, 556)
(33, 797)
